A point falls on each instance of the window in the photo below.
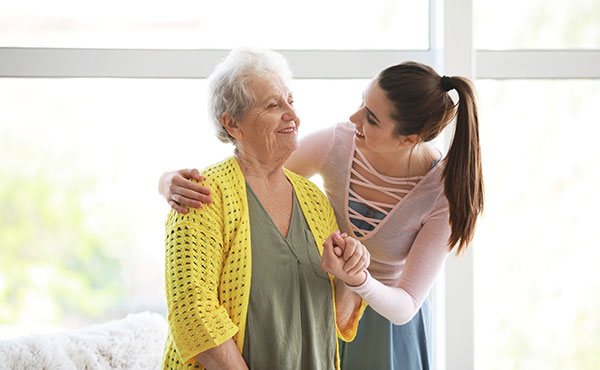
(535, 251)
(536, 24)
(189, 24)
(534, 247)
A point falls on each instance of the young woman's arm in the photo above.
(180, 192)
(312, 151)
(428, 253)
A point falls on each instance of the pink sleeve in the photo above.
(312, 151)
(427, 255)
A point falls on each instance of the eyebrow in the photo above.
(270, 97)
(277, 96)
(371, 113)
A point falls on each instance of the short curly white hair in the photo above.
(228, 85)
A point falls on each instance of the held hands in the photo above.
(346, 258)
(180, 192)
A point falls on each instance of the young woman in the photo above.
(394, 192)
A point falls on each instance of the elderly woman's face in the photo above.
(270, 126)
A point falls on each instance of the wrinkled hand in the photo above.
(346, 258)
(177, 188)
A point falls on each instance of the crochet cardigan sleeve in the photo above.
(195, 253)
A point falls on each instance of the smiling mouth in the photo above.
(359, 134)
(287, 130)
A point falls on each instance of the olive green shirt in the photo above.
(290, 324)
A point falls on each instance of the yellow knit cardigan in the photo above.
(208, 264)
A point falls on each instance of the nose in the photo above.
(290, 114)
(356, 116)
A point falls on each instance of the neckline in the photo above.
(392, 211)
(268, 216)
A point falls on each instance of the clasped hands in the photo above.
(345, 258)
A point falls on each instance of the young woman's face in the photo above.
(374, 123)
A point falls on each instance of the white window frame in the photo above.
(451, 52)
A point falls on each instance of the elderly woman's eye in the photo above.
(272, 105)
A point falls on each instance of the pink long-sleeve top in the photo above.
(408, 247)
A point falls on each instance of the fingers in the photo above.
(188, 193)
(340, 243)
(188, 197)
(328, 258)
(355, 262)
(177, 207)
(196, 175)
(191, 174)
(181, 181)
(329, 240)
(358, 267)
(349, 248)
(359, 261)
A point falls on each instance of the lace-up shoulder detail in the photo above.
(394, 187)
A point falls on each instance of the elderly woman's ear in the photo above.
(231, 125)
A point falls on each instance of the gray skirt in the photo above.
(381, 345)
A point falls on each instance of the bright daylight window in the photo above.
(192, 24)
(82, 223)
(536, 254)
(536, 24)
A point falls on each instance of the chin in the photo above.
(359, 143)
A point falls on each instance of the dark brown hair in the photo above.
(422, 106)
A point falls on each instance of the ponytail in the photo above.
(463, 181)
(422, 106)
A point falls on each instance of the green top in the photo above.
(290, 324)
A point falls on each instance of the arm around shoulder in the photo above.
(312, 152)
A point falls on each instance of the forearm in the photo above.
(395, 304)
(307, 160)
(347, 306)
(223, 356)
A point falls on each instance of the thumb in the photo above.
(338, 251)
(339, 241)
(328, 245)
(196, 175)
(328, 255)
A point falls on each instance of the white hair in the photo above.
(228, 85)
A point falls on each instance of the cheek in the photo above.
(371, 133)
(262, 124)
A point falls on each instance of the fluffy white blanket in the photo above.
(135, 342)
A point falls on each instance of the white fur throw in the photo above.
(135, 342)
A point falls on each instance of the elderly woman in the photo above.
(244, 283)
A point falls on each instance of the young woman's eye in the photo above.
(371, 121)
(291, 102)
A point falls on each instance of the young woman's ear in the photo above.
(410, 139)
(231, 125)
